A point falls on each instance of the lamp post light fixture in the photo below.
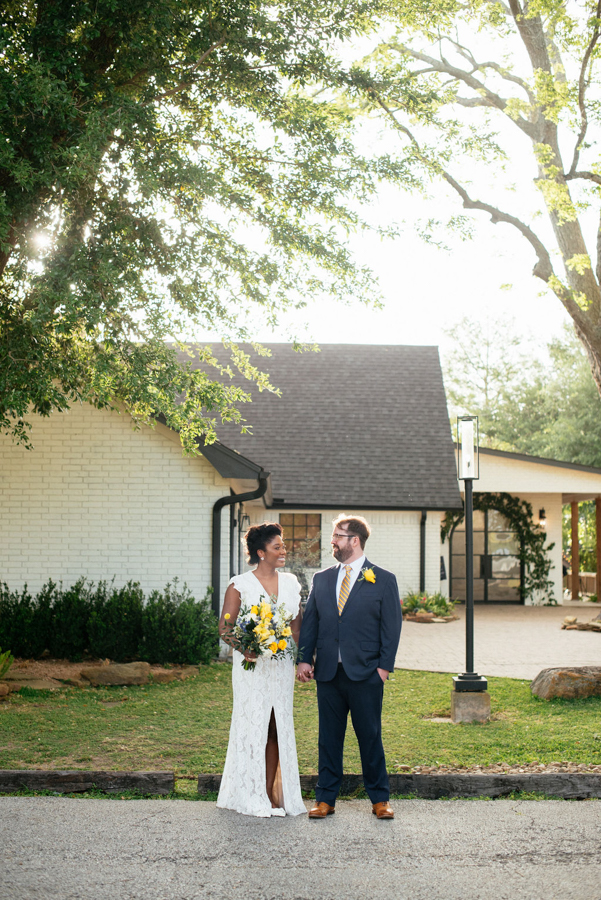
(468, 471)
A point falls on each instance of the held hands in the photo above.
(304, 672)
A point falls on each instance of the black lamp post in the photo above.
(468, 472)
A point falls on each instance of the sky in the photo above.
(427, 289)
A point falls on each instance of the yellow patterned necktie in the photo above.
(344, 589)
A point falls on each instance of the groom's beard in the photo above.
(342, 553)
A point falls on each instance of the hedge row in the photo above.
(105, 621)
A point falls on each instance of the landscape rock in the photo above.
(4, 691)
(163, 676)
(589, 626)
(118, 674)
(575, 683)
(186, 672)
(15, 680)
(569, 620)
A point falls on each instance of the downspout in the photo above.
(216, 544)
(422, 552)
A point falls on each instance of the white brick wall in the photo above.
(97, 498)
(393, 544)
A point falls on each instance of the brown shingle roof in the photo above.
(357, 426)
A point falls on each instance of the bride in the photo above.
(260, 776)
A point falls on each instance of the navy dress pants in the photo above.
(363, 699)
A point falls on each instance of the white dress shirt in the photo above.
(356, 567)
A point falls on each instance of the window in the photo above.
(302, 533)
(497, 573)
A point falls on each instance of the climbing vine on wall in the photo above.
(533, 553)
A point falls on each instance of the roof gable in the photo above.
(356, 426)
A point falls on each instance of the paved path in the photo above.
(515, 641)
(60, 849)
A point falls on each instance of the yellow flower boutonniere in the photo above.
(368, 575)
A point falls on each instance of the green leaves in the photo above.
(164, 168)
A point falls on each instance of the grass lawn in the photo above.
(184, 726)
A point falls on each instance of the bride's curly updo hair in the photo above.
(257, 537)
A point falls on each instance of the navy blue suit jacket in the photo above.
(366, 634)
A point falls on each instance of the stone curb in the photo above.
(78, 781)
(566, 785)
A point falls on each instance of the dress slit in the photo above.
(278, 788)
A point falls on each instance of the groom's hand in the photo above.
(304, 672)
(383, 673)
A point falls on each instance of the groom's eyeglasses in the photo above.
(343, 536)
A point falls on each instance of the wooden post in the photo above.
(575, 552)
(598, 524)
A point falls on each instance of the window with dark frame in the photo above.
(302, 534)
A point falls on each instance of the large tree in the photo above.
(454, 82)
(547, 408)
(163, 166)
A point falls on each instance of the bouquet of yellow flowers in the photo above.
(263, 629)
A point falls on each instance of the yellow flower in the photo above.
(226, 616)
(273, 647)
(286, 632)
(282, 644)
(369, 575)
(254, 610)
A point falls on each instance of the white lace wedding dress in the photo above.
(269, 686)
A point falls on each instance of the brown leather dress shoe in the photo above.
(383, 810)
(321, 810)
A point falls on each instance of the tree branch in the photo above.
(472, 102)
(183, 85)
(478, 67)
(587, 176)
(479, 87)
(544, 266)
(583, 83)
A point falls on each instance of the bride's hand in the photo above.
(250, 655)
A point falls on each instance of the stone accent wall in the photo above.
(97, 498)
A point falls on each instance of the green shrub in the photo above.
(109, 622)
(70, 614)
(414, 601)
(177, 628)
(196, 630)
(6, 661)
(115, 621)
(22, 626)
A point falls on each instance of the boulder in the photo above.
(569, 683)
(15, 680)
(186, 672)
(163, 676)
(117, 673)
(423, 616)
(589, 626)
(4, 691)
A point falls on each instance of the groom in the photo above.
(352, 624)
